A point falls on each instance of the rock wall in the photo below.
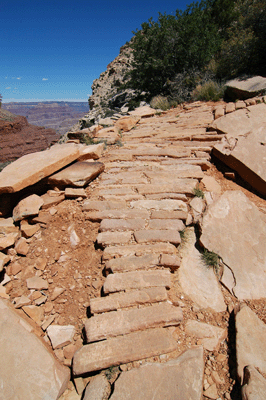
(18, 137)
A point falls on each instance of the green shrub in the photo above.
(160, 102)
(211, 260)
(198, 192)
(208, 91)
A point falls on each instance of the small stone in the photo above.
(40, 300)
(79, 384)
(60, 336)
(56, 293)
(7, 241)
(21, 301)
(98, 389)
(22, 247)
(37, 283)
(53, 211)
(40, 263)
(28, 230)
(27, 207)
(211, 392)
(48, 322)
(35, 313)
(96, 284)
(3, 260)
(70, 350)
(3, 293)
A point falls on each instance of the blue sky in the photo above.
(54, 49)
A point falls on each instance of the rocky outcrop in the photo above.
(245, 88)
(18, 137)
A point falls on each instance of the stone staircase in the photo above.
(142, 203)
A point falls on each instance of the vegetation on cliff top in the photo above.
(210, 40)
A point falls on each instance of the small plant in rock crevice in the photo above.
(198, 192)
(211, 260)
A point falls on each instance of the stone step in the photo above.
(98, 205)
(138, 250)
(122, 349)
(191, 171)
(149, 236)
(166, 195)
(175, 224)
(202, 162)
(114, 191)
(115, 323)
(98, 216)
(110, 238)
(113, 197)
(122, 225)
(133, 263)
(137, 280)
(177, 152)
(128, 299)
(165, 214)
(178, 186)
(169, 205)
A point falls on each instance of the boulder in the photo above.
(31, 168)
(245, 136)
(235, 229)
(250, 341)
(180, 378)
(254, 385)
(29, 371)
(27, 207)
(98, 389)
(77, 175)
(145, 111)
(125, 124)
(91, 152)
(197, 280)
(241, 88)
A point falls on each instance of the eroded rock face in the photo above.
(176, 379)
(35, 372)
(235, 229)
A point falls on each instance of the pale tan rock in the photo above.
(22, 247)
(246, 88)
(3, 260)
(168, 205)
(121, 350)
(171, 261)
(97, 205)
(60, 336)
(145, 111)
(69, 350)
(132, 263)
(74, 193)
(174, 224)
(138, 250)
(40, 263)
(110, 238)
(121, 225)
(123, 300)
(172, 174)
(254, 385)
(210, 336)
(48, 322)
(14, 268)
(91, 152)
(149, 236)
(3, 293)
(56, 293)
(7, 226)
(109, 134)
(27, 207)
(211, 185)
(33, 167)
(240, 104)
(125, 124)
(98, 389)
(115, 323)
(22, 301)
(28, 230)
(77, 175)
(7, 241)
(164, 214)
(250, 341)
(198, 206)
(211, 392)
(29, 379)
(35, 313)
(137, 280)
(37, 283)
(230, 107)
(196, 280)
(180, 378)
(50, 201)
(180, 186)
(98, 216)
(219, 112)
(234, 228)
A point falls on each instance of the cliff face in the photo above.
(110, 81)
(18, 137)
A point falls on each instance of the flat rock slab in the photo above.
(254, 387)
(122, 225)
(210, 336)
(98, 205)
(31, 168)
(235, 229)
(97, 216)
(98, 388)
(128, 299)
(145, 111)
(117, 323)
(29, 371)
(164, 214)
(149, 236)
(196, 279)
(182, 171)
(250, 341)
(109, 238)
(122, 349)
(60, 336)
(175, 224)
(168, 205)
(137, 250)
(180, 378)
(91, 152)
(180, 186)
(245, 88)
(133, 263)
(137, 280)
(77, 175)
